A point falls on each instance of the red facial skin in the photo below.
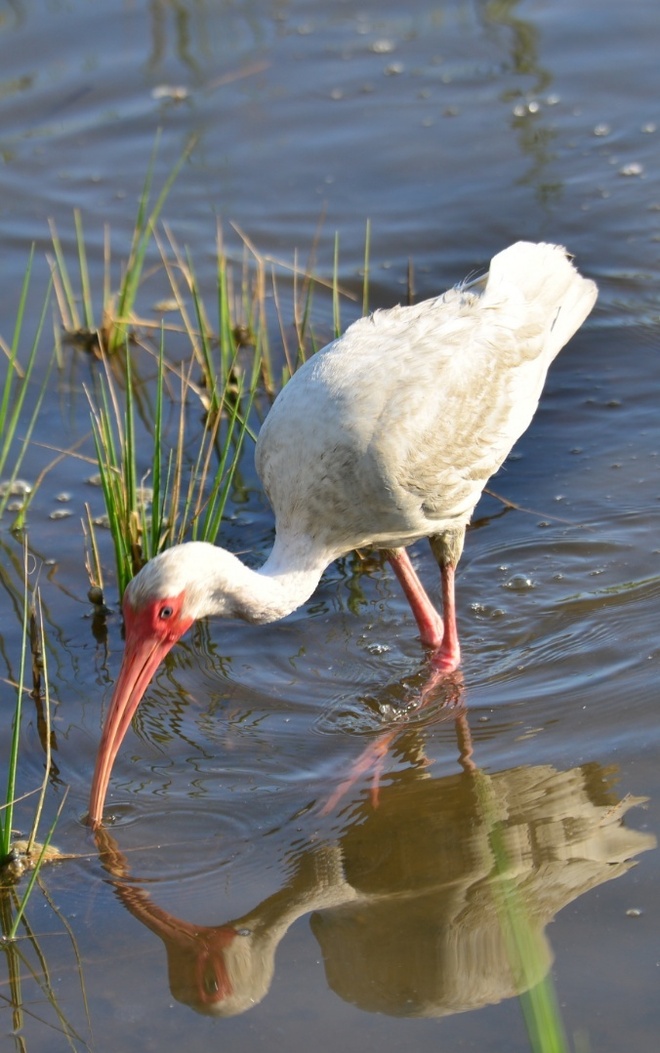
(151, 631)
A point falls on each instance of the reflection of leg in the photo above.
(428, 620)
(371, 761)
(464, 740)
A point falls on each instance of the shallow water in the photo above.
(456, 129)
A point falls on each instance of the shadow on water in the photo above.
(403, 901)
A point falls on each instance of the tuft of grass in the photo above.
(174, 496)
(158, 501)
(113, 329)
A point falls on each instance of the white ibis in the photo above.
(387, 435)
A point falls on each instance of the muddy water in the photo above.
(225, 906)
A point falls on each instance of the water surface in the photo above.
(226, 908)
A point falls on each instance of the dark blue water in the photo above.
(455, 129)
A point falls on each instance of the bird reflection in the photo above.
(404, 903)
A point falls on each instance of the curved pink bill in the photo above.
(141, 659)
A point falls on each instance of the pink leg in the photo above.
(447, 656)
(431, 629)
(370, 762)
(442, 637)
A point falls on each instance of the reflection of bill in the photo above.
(404, 904)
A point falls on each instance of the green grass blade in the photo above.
(142, 237)
(8, 417)
(129, 462)
(223, 475)
(88, 308)
(336, 316)
(10, 792)
(18, 324)
(92, 555)
(112, 487)
(37, 613)
(67, 303)
(19, 519)
(9, 421)
(365, 279)
(537, 998)
(157, 459)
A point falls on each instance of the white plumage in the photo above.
(390, 432)
(387, 435)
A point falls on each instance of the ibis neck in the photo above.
(285, 581)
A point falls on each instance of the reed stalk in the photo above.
(32, 643)
(538, 999)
